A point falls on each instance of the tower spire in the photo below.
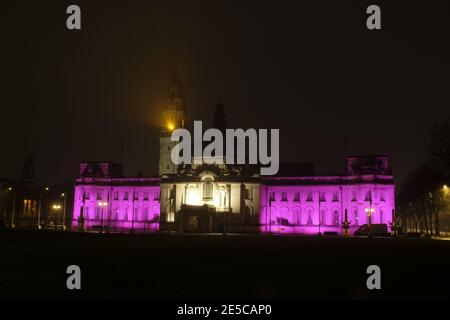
(220, 117)
(174, 113)
(173, 117)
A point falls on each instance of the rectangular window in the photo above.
(272, 196)
(322, 196)
(297, 196)
(248, 193)
(335, 196)
(146, 196)
(136, 196)
(116, 195)
(368, 195)
(354, 196)
(309, 196)
(283, 196)
(87, 195)
(382, 198)
(125, 195)
(207, 189)
(99, 195)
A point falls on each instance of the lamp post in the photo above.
(63, 195)
(445, 191)
(56, 208)
(13, 206)
(225, 215)
(320, 214)
(4, 207)
(39, 209)
(270, 214)
(369, 212)
(102, 204)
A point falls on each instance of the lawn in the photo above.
(164, 266)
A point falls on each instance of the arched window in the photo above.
(135, 214)
(355, 216)
(114, 213)
(97, 213)
(155, 213)
(207, 189)
(144, 214)
(248, 215)
(86, 212)
(309, 215)
(222, 198)
(272, 215)
(125, 214)
(284, 216)
(296, 215)
(382, 215)
(170, 213)
(335, 217)
(323, 216)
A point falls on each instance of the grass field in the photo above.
(164, 266)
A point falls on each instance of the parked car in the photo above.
(372, 230)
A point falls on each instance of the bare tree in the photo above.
(421, 198)
(438, 145)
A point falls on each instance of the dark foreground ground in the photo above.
(33, 265)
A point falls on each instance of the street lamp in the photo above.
(369, 212)
(13, 206)
(39, 209)
(63, 195)
(102, 204)
(320, 215)
(56, 208)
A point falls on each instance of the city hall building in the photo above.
(230, 198)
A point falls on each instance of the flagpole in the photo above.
(132, 212)
(319, 214)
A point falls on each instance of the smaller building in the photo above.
(24, 204)
(105, 200)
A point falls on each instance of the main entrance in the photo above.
(197, 218)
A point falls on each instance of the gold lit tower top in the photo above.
(174, 113)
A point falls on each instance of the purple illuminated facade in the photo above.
(290, 204)
(104, 200)
(363, 194)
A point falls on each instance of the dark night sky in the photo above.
(310, 68)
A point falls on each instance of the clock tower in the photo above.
(173, 117)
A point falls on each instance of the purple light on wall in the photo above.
(309, 205)
(104, 200)
(117, 204)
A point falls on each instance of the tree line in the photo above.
(423, 203)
